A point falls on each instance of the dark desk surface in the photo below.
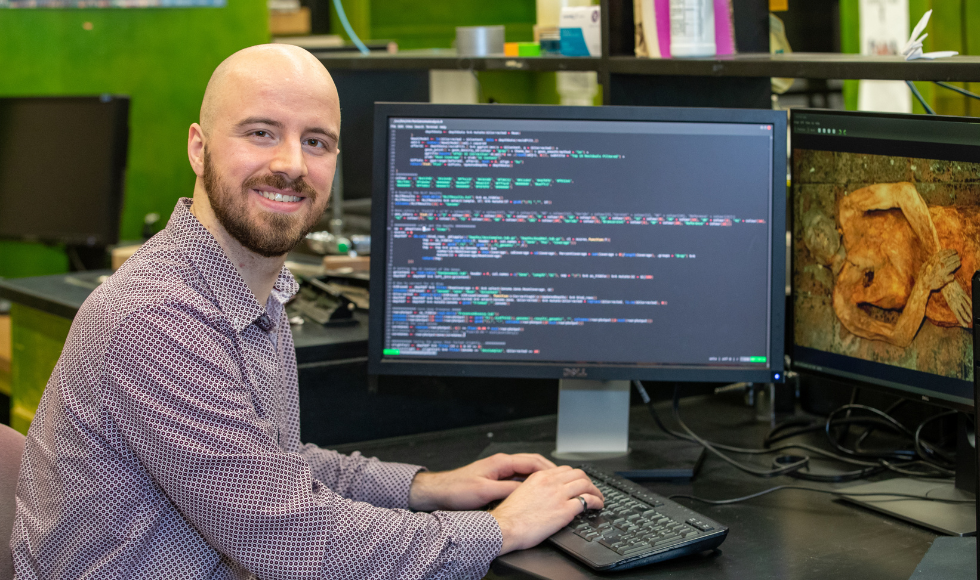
(785, 535)
(63, 294)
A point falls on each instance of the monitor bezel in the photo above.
(379, 365)
(119, 129)
(829, 365)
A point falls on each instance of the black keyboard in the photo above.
(636, 527)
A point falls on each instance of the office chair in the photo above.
(11, 450)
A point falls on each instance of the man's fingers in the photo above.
(575, 504)
(501, 489)
(582, 486)
(570, 474)
(519, 464)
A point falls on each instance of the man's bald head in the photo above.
(268, 65)
(266, 148)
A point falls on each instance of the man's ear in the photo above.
(195, 148)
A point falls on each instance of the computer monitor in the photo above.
(594, 245)
(886, 216)
(62, 168)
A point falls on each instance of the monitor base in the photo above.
(952, 519)
(587, 456)
(648, 460)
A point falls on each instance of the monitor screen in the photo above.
(62, 165)
(568, 242)
(886, 216)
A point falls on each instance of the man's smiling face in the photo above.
(271, 152)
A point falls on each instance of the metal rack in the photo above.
(740, 80)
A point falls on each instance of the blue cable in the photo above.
(348, 28)
(917, 95)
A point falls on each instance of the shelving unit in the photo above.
(794, 65)
(736, 80)
(741, 80)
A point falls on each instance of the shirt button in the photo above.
(264, 322)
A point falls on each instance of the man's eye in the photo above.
(315, 143)
(260, 133)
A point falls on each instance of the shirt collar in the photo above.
(232, 294)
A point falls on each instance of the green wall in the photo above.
(433, 24)
(37, 339)
(418, 25)
(161, 58)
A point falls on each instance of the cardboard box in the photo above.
(122, 253)
(289, 21)
(356, 264)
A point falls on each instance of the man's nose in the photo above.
(289, 161)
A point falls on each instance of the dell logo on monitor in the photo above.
(574, 372)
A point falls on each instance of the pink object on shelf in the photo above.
(724, 29)
(661, 10)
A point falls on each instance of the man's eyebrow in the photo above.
(325, 132)
(259, 121)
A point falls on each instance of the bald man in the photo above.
(166, 444)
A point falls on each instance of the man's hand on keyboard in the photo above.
(475, 485)
(543, 504)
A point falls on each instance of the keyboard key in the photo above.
(703, 526)
(668, 539)
(635, 551)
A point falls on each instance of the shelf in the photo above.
(794, 65)
(447, 60)
(804, 65)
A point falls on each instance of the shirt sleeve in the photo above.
(175, 387)
(379, 483)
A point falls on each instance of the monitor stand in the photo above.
(952, 519)
(593, 420)
(593, 427)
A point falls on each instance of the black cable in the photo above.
(923, 450)
(881, 420)
(926, 451)
(790, 428)
(918, 96)
(815, 490)
(793, 465)
(867, 433)
(957, 89)
(782, 462)
(733, 449)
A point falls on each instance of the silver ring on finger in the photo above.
(585, 505)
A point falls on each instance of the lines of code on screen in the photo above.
(578, 241)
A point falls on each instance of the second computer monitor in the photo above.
(586, 243)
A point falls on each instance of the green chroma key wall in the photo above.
(161, 58)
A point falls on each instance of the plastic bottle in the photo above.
(692, 28)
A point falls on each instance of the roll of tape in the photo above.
(479, 40)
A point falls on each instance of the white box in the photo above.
(580, 31)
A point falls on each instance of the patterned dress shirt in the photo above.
(166, 445)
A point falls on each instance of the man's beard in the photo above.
(271, 234)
